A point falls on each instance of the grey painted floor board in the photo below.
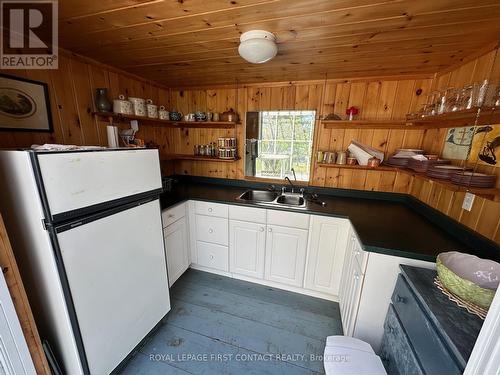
(220, 325)
(297, 321)
(262, 292)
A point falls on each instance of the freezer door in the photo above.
(75, 180)
(117, 275)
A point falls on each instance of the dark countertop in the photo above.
(386, 223)
(457, 327)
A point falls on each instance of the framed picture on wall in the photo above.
(24, 105)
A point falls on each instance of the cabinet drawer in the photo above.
(212, 229)
(396, 351)
(429, 348)
(173, 214)
(251, 214)
(211, 209)
(288, 219)
(213, 256)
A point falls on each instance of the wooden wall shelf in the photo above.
(198, 158)
(489, 193)
(485, 116)
(365, 124)
(359, 167)
(118, 117)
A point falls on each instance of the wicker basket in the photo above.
(463, 288)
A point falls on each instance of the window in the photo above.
(278, 141)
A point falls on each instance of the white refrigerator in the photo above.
(87, 233)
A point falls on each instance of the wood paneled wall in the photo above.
(20, 299)
(72, 86)
(485, 214)
(388, 99)
(71, 90)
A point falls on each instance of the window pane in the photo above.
(285, 143)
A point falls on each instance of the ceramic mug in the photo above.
(162, 113)
(139, 106)
(215, 116)
(189, 117)
(151, 109)
(122, 106)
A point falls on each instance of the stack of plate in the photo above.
(397, 162)
(474, 179)
(421, 166)
(402, 156)
(444, 172)
(408, 152)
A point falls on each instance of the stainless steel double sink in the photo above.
(273, 198)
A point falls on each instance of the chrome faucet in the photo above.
(290, 182)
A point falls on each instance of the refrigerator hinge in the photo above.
(45, 224)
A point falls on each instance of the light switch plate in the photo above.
(468, 201)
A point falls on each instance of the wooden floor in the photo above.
(220, 325)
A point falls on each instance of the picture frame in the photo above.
(24, 105)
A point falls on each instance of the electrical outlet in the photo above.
(468, 201)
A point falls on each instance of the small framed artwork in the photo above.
(24, 105)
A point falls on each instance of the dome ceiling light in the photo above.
(257, 46)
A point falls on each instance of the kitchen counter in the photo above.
(387, 223)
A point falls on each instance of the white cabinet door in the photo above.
(350, 288)
(353, 294)
(285, 255)
(177, 250)
(247, 248)
(326, 251)
(14, 354)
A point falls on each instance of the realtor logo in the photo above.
(29, 34)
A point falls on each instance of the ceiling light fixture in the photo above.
(257, 46)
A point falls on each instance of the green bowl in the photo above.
(465, 289)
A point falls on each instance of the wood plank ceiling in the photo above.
(183, 43)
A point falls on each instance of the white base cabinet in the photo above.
(325, 255)
(175, 236)
(352, 282)
(379, 280)
(176, 245)
(247, 248)
(285, 254)
(268, 246)
(366, 287)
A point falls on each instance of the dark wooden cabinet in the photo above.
(424, 332)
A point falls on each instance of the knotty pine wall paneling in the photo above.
(71, 93)
(388, 99)
(71, 90)
(485, 214)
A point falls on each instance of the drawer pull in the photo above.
(390, 329)
(261, 229)
(357, 252)
(211, 257)
(356, 276)
(270, 229)
(210, 209)
(170, 215)
(400, 299)
(210, 231)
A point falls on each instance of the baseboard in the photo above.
(307, 292)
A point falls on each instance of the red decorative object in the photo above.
(351, 112)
